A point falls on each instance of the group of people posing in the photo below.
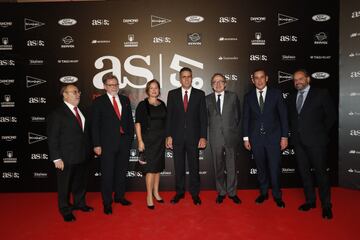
(190, 121)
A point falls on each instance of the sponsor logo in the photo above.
(354, 94)
(97, 174)
(288, 152)
(288, 170)
(132, 174)
(225, 58)
(40, 175)
(37, 100)
(354, 152)
(253, 171)
(7, 101)
(100, 22)
(6, 175)
(320, 75)
(8, 119)
(7, 81)
(165, 173)
(9, 157)
(258, 57)
(258, 40)
(320, 38)
(222, 39)
(285, 19)
(288, 57)
(351, 170)
(7, 62)
(355, 74)
(131, 41)
(37, 119)
(355, 132)
(231, 77)
(67, 61)
(258, 19)
(36, 62)
(194, 19)
(321, 18)
(35, 43)
(68, 79)
(354, 54)
(67, 42)
(33, 81)
(5, 24)
(39, 156)
(31, 24)
(288, 38)
(284, 77)
(130, 21)
(227, 20)
(34, 138)
(5, 44)
(354, 113)
(355, 34)
(355, 14)
(67, 22)
(134, 156)
(157, 21)
(317, 57)
(8, 138)
(285, 95)
(100, 41)
(168, 154)
(160, 40)
(194, 39)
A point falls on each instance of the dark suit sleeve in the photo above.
(170, 112)
(53, 129)
(329, 111)
(282, 110)
(96, 123)
(203, 116)
(246, 117)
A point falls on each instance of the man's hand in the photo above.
(169, 142)
(283, 143)
(59, 164)
(202, 143)
(97, 150)
(247, 145)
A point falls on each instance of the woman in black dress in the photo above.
(150, 130)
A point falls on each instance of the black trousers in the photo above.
(313, 157)
(73, 179)
(190, 152)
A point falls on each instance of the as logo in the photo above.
(258, 57)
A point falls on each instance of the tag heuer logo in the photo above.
(284, 19)
(34, 138)
(32, 81)
(30, 24)
(157, 21)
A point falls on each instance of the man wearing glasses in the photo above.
(112, 133)
(223, 111)
(69, 148)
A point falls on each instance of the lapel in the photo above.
(255, 101)
(226, 101)
(267, 99)
(123, 105)
(111, 106)
(71, 116)
(307, 101)
(180, 99)
(213, 103)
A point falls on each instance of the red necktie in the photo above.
(78, 117)
(186, 101)
(116, 108)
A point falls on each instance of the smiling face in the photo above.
(186, 79)
(218, 83)
(301, 81)
(153, 90)
(260, 79)
(71, 95)
(111, 86)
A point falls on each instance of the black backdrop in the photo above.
(46, 44)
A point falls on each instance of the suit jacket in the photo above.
(315, 120)
(225, 125)
(106, 125)
(66, 139)
(273, 119)
(190, 125)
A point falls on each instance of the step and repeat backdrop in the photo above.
(349, 111)
(46, 45)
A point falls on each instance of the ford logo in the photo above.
(320, 75)
(321, 18)
(67, 22)
(194, 19)
(68, 79)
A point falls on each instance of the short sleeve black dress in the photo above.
(152, 120)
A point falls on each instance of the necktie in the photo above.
(261, 101)
(186, 101)
(78, 117)
(116, 108)
(218, 103)
(299, 101)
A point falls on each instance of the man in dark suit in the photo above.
(112, 132)
(265, 131)
(186, 131)
(69, 148)
(223, 110)
(312, 115)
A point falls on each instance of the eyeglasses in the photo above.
(74, 92)
(112, 85)
(218, 82)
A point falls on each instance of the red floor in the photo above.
(35, 216)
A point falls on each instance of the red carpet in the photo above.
(35, 216)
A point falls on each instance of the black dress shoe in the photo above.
(177, 198)
(151, 207)
(327, 213)
(69, 217)
(306, 206)
(123, 201)
(196, 200)
(84, 208)
(279, 202)
(235, 199)
(108, 210)
(260, 199)
(220, 199)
